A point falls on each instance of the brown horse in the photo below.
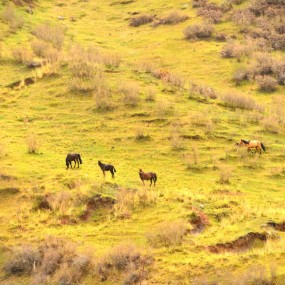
(254, 144)
(73, 157)
(148, 176)
(107, 167)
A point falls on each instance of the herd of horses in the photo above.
(76, 158)
(251, 145)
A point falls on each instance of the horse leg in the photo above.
(143, 181)
(104, 173)
(77, 163)
(150, 181)
(112, 171)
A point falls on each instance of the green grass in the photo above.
(63, 122)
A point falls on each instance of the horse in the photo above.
(254, 144)
(107, 167)
(148, 176)
(73, 157)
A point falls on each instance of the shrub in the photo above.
(173, 18)
(61, 202)
(231, 50)
(192, 159)
(199, 3)
(141, 20)
(46, 51)
(22, 55)
(176, 142)
(198, 31)
(263, 64)
(271, 125)
(243, 17)
(50, 34)
(266, 83)
(221, 37)
(140, 135)
(240, 101)
(125, 203)
(124, 258)
(32, 144)
(212, 13)
(279, 70)
(150, 94)
(24, 260)
(225, 175)
(130, 90)
(111, 60)
(164, 108)
(102, 98)
(239, 75)
(123, 254)
(167, 234)
(175, 80)
(201, 91)
(9, 16)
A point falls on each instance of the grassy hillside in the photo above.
(137, 97)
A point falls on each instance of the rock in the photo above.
(60, 18)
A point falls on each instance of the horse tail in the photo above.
(262, 145)
(114, 169)
(67, 161)
(79, 157)
(155, 177)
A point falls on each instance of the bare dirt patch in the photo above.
(277, 226)
(199, 221)
(243, 243)
(95, 203)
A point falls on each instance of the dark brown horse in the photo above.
(107, 167)
(73, 157)
(148, 176)
(251, 145)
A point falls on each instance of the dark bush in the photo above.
(211, 12)
(239, 75)
(141, 20)
(221, 37)
(173, 18)
(198, 31)
(199, 3)
(266, 83)
(23, 261)
(231, 50)
(50, 34)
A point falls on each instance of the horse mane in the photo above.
(246, 142)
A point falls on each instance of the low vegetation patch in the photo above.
(198, 31)
(168, 234)
(127, 259)
(141, 20)
(54, 258)
(240, 101)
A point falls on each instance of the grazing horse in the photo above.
(254, 144)
(148, 176)
(73, 157)
(107, 167)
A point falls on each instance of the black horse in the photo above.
(73, 157)
(107, 167)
